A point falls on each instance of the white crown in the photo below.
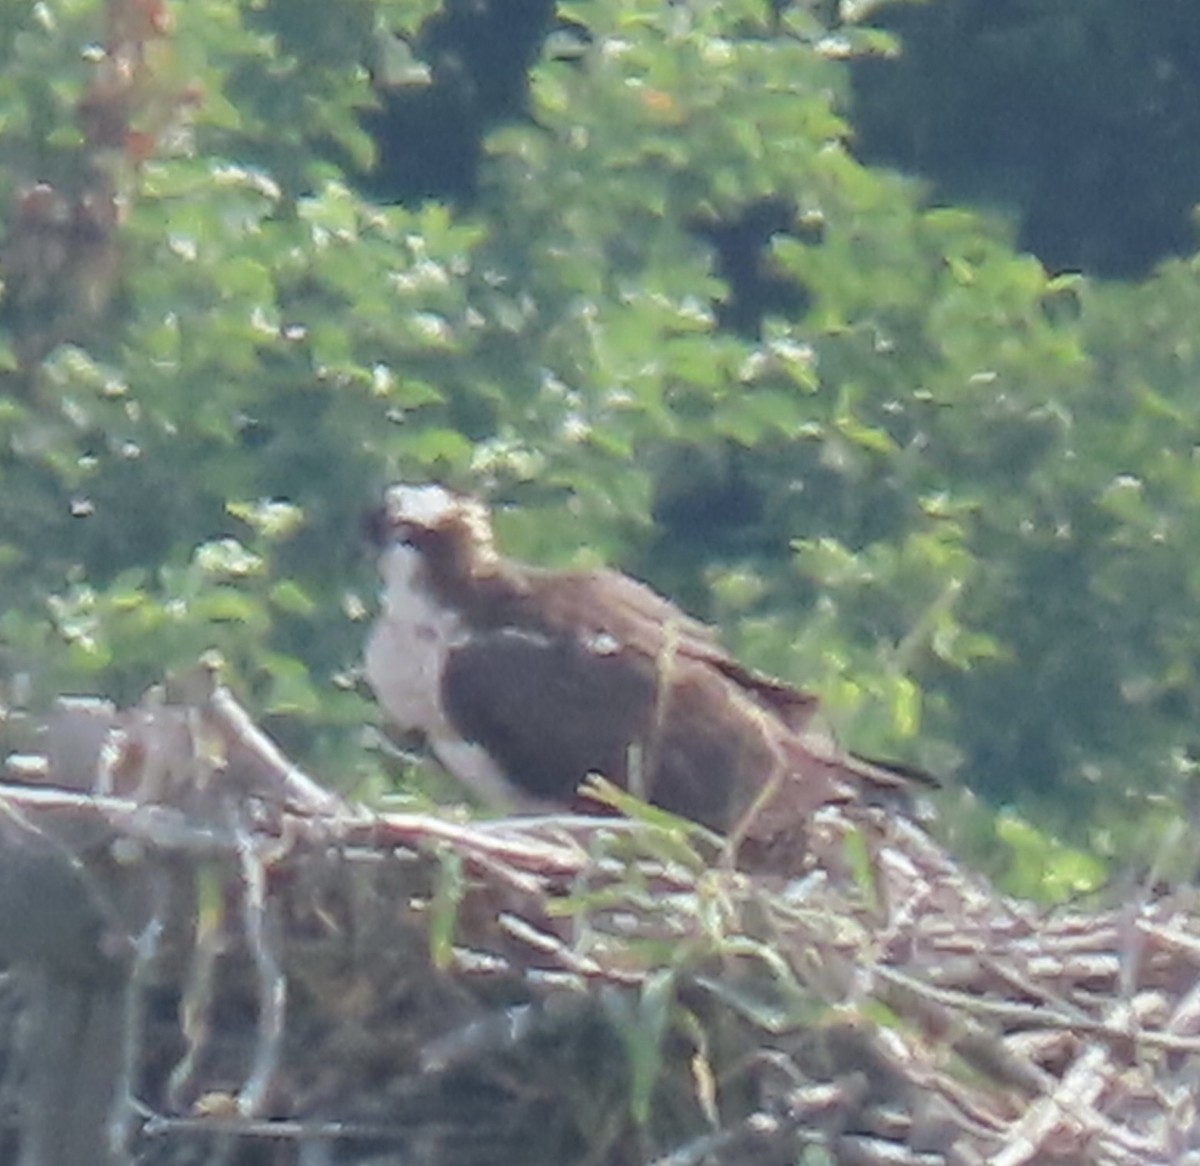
(421, 505)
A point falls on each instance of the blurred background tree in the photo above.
(634, 271)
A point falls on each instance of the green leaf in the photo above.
(858, 857)
(449, 890)
(432, 447)
(290, 596)
(290, 690)
(272, 518)
(227, 558)
(226, 605)
(866, 436)
(643, 1029)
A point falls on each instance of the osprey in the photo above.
(523, 681)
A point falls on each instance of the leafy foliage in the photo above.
(949, 491)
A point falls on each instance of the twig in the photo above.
(262, 934)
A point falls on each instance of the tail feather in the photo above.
(891, 773)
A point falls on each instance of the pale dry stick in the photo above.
(270, 1129)
(861, 1150)
(531, 885)
(415, 830)
(1030, 986)
(1075, 969)
(126, 1107)
(159, 827)
(909, 903)
(937, 865)
(1033, 1015)
(261, 924)
(966, 1109)
(1185, 1019)
(1171, 937)
(1078, 933)
(195, 1011)
(298, 792)
(1070, 1112)
(1029, 1134)
(546, 943)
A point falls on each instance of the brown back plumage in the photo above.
(564, 673)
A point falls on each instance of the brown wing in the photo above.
(637, 617)
(546, 710)
(551, 710)
(607, 601)
(655, 689)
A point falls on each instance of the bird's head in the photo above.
(452, 531)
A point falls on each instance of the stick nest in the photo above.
(274, 976)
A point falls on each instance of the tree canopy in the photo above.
(665, 317)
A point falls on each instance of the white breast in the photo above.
(408, 645)
(404, 659)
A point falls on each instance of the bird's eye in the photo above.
(382, 529)
(411, 534)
